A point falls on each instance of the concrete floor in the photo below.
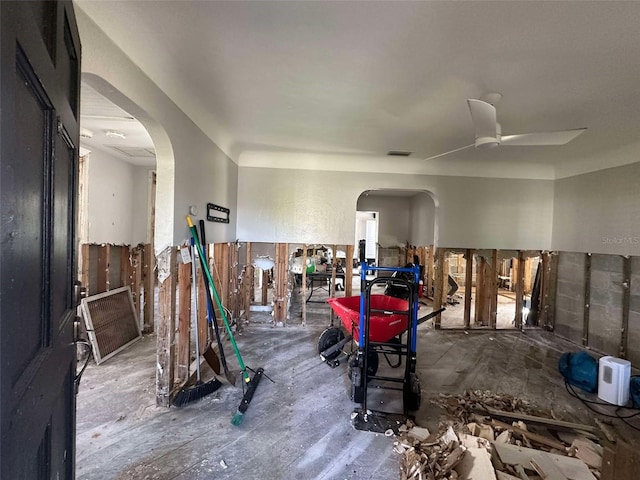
(298, 427)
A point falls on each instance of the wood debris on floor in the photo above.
(487, 436)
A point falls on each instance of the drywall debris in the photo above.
(419, 433)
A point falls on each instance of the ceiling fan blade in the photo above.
(450, 151)
(538, 139)
(483, 115)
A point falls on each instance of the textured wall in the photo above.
(393, 217)
(318, 206)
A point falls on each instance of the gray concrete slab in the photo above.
(298, 427)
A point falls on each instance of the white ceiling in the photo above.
(99, 115)
(362, 78)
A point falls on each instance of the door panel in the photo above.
(39, 133)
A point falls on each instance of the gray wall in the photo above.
(393, 217)
(303, 206)
(422, 224)
(598, 212)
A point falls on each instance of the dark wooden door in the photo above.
(39, 107)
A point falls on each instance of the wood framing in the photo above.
(184, 323)
(303, 295)
(468, 286)
(550, 295)
(102, 282)
(148, 280)
(84, 273)
(126, 268)
(136, 280)
(439, 285)
(280, 300)
(348, 272)
(430, 273)
(201, 312)
(332, 286)
(519, 287)
(493, 288)
(166, 326)
(481, 315)
(234, 291)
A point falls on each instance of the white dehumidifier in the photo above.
(614, 375)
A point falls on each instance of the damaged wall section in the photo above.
(570, 296)
(598, 303)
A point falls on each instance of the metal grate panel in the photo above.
(111, 321)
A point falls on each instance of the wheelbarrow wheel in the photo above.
(412, 394)
(330, 337)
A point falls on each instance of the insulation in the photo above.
(111, 321)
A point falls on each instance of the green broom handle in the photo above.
(205, 268)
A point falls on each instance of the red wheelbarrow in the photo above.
(385, 326)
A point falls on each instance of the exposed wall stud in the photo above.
(468, 285)
(626, 300)
(587, 298)
(166, 326)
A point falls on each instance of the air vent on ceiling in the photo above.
(398, 153)
(135, 151)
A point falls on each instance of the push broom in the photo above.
(252, 383)
(199, 389)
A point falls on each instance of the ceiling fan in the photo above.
(489, 133)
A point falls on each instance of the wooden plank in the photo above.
(148, 278)
(587, 451)
(332, 287)
(550, 303)
(439, 287)
(247, 282)
(481, 275)
(541, 420)
(280, 280)
(430, 273)
(572, 468)
(125, 265)
(468, 287)
(587, 299)
(541, 439)
(493, 288)
(201, 313)
(265, 287)
(528, 276)
(348, 272)
(519, 287)
(184, 322)
(626, 299)
(85, 261)
(249, 262)
(136, 284)
(234, 280)
(304, 285)
(166, 326)
(546, 468)
(102, 284)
